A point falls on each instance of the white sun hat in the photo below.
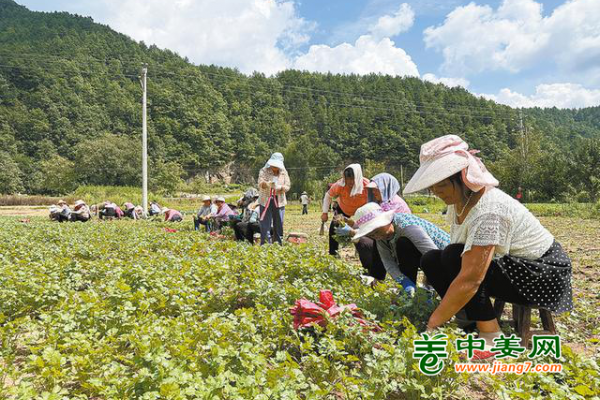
(220, 198)
(205, 198)
(276, 161)
(79, 203)
(370, 217)
(445, 156)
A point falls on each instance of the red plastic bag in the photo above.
(170, 230)
(306, 313)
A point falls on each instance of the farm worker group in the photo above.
(107, 210)
(495, 248)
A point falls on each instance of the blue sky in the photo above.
(517, 52)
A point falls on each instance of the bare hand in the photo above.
(324, 217)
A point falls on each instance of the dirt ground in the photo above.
(24, 211)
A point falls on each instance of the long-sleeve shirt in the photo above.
(170, 214)
(282, 185)
(423, 234)
(207, 211)
(223, 213)
(83, 210)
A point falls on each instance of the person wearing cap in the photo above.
(222, 214)
(65, 211)
(249, 224)
(382, 189)
(498, 248)
(204, 213)
(304, 200)
(81, 212)
(350, 193)
(273, 184)
(401, 240)
(171, 215)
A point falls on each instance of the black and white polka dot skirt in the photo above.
(545, 282)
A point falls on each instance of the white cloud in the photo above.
(373, 52)
(367, 55)
(516, 36)
(261, 35)
(391, 25)
(560, 95)
(450, 82)
(248, 34)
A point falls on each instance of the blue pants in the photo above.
(273, 216)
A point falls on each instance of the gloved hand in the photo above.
(408, 285)
(345, 230)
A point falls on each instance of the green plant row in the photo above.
(124, 310)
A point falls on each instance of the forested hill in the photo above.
(70, 107)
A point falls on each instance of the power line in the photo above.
(67, 72)
(285, 88)
(409, 108)
(393, 106)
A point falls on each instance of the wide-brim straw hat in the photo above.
(370, 217)
(434, 171)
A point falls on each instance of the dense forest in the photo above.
(70, 114)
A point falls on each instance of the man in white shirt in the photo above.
(304, 200)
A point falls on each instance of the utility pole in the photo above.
(523, 138)
(144, 140)
(401, 179)
(524, 151)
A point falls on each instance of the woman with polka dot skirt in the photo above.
(498, 248)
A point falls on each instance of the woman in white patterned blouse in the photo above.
(498, 248)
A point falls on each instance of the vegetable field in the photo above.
(124, 310)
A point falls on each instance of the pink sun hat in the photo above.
(445, 156)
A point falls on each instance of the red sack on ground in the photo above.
(170, 230)
(306, 312)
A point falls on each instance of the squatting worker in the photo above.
(350, 193)
(498, 248)
(171, 215)
(383, 190)
(273, 184)
(249, 223)
(204, 213)
(223, 212)
(81, 212)
(401, 240)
